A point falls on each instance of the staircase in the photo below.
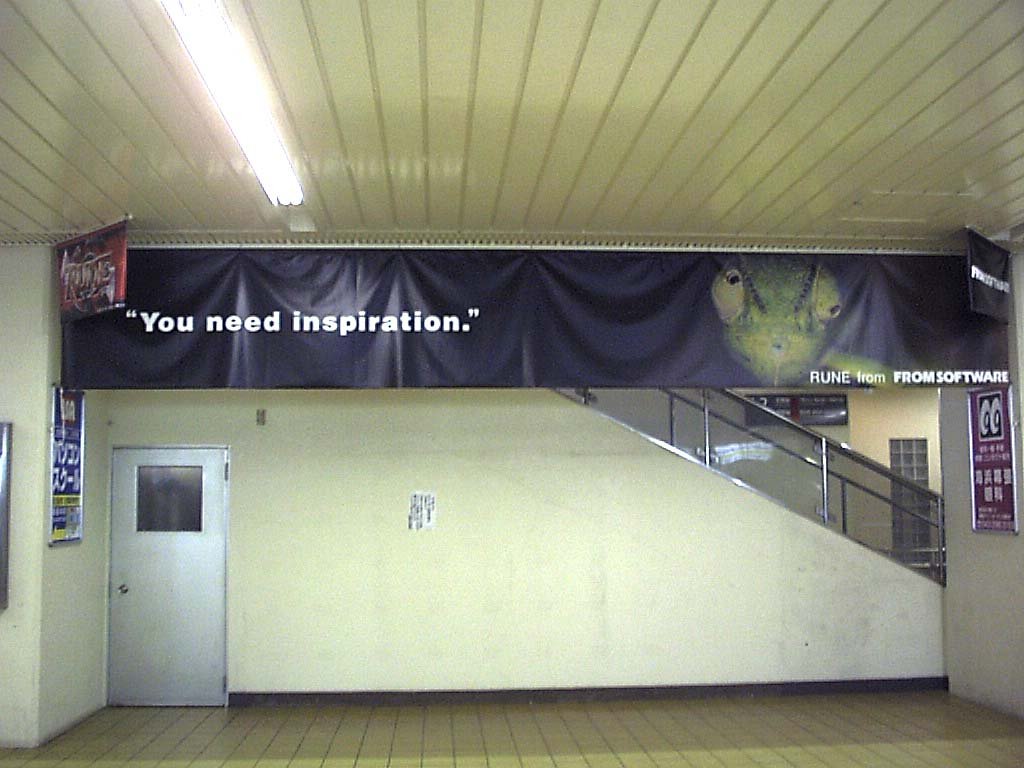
(802, 470)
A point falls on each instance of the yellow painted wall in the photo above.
(73, 670)
(568, 552)
(878, 415)
(52, 637)
(985, 596)
(24, 397)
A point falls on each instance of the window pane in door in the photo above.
(170, 499)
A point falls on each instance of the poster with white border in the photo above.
(993, 480)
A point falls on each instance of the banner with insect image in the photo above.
(339, 318)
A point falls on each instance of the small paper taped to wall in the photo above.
(422, 510)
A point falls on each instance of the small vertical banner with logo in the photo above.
(93, 272)
(993, 500)
(67, 465)
(988, 277)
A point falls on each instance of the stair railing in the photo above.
(803, 470)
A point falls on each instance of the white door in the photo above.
(167, 576)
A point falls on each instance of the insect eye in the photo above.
(728, 293)
(829, 311)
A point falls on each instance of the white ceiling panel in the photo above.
(829, 124)
(615, 34)
(661, 48)
(821, 43)
(63, 60)
(904, 89)
(394, 47)
(451, 33)
(345, 72)
(771, 43)
(506, 43)
(709, 53)
(286, 36)
(564, 33)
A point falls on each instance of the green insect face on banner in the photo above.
(776, 312)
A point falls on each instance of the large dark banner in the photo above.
(437, 318)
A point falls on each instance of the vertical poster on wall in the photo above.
(993, 500)
(5, 511)
(67, 463)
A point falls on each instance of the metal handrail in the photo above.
(741, 427)
(866, 461)
(823, 446)
(837, 447)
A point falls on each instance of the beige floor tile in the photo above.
(914, 730)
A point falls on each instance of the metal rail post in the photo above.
(942, 540)
(707, 427)
(671, 419)
(824, 481)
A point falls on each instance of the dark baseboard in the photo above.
(567, 695)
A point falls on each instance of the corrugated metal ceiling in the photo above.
(852, 124)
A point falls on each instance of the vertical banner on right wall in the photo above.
(993, 500)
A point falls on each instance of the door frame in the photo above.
(110, 543)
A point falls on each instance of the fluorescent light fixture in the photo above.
(231, 79)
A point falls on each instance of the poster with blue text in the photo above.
(67, 463)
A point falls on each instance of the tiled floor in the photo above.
(917, 729)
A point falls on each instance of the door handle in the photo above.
(123, 589)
